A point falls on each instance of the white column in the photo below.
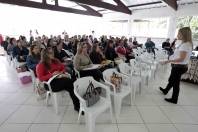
(172, 27)
(129, 28)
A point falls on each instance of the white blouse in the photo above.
(186, 47)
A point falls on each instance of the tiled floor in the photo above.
(21, 111)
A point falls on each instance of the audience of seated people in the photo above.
(50, 66)
(20, 52)
(88, 51)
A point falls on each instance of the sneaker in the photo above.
(163, 90)
(170, 100)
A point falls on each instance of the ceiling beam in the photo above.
(145, 4)
(89, 11)
(172, 3)
(120, 7)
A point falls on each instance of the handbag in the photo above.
(26, 79)
(116, 80)
(91, 96)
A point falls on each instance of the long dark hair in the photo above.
(46, 60)
(38, 56)
(107, 46)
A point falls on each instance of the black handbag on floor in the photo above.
(92, 95)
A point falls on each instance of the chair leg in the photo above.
(111, 113)
(55, 102)
(91, 123)
(134, 93)
(117, 104)
(79, 115)
(47, 98)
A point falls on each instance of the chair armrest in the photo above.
(82, 101)
(68, 75)
(111, 84)
(50, 80)
(105, 87)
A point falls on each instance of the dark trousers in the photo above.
(174, 80)
(96, 74)
(60, 84)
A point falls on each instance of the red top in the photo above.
(44, 75)
(1, 39)
(121, 50)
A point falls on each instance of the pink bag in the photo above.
(26, 79)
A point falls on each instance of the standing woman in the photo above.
(48, 67)
(179, 63)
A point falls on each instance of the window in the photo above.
(155, 27)
(189, 21)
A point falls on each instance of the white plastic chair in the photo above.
(17, 64)
(92, 112)
(77, 72)
(124, 90)
(34, 79)
(135, 79)
(54, 94)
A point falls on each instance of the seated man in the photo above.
(150, 46)
(20, 52)
(166, 44)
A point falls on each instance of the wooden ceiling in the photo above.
(89, 5)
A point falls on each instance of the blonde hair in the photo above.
(80, 47)
(186, 34)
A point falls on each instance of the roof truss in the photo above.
(171, 3)
(56, 7)
(120, 7)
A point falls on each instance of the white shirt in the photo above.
(186, 47)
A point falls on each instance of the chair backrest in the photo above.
(108, 73)
(81, 84)
(125, 68)
(77, 72)
(132, 62)
(32, 75)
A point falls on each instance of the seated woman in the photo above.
(34, 57)
(20, 52)
(97, 57)
(11, 46)
(110, 52)
(82, 61)
(63, 57)
(123, 52)
(48, 67)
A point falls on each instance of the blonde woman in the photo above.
(82, 61)
(179, 63)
